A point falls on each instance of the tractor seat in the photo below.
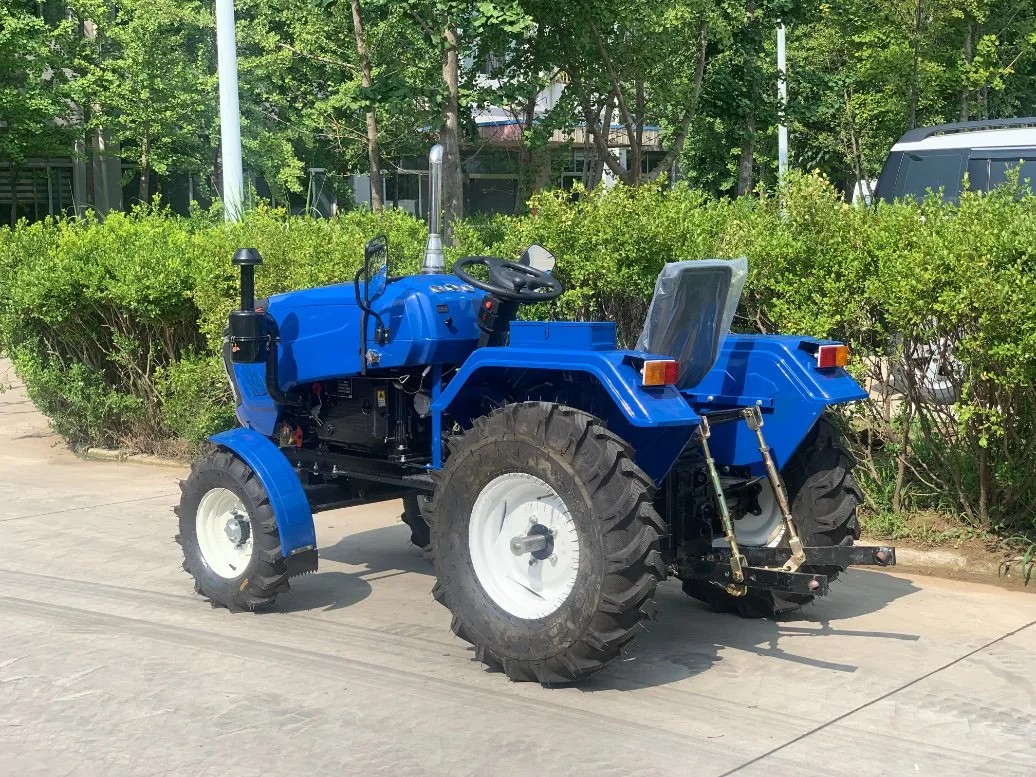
(691, 312)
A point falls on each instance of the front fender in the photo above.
(287, 497)
(657, 422)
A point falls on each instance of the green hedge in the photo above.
(114, 326)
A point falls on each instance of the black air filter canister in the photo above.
(248, 331)
(248, 336)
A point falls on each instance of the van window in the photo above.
(1026, 172)
(978, 175)
(931, 170)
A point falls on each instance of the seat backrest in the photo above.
(691, 312)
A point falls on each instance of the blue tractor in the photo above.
(554, 479)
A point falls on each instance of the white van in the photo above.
(937, 158)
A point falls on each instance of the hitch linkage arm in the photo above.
(766, 570)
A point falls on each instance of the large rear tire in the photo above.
(824, 497)
(559, 613)
(231, 546)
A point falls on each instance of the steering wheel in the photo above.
(510, 280)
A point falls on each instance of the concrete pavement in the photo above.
(109, 665)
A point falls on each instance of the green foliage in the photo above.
(195, 398)
(137, 79)
(35, 113)
(142, 69)
(106, 321)
(116, 326)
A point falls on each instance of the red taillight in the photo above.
(832, 356)
(661, 372)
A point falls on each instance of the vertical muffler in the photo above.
(434, 261)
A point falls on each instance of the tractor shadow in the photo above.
(324, 591)
(686, 639)
(381, 553)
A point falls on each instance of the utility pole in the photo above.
(229, 111)
(782, 105)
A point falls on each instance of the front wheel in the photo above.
(231, 546)
(545, 542)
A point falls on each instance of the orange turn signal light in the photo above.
(832, 356)
(661, 372)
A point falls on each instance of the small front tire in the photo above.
(228, 533)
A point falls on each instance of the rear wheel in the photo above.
(545, 542)
(231, 546)
(823, 496)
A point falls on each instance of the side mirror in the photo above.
(376, 251)
(375, 246)
(538, 258)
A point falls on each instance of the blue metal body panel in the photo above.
(287, 498)
(432, 321)
(780, 376)
(593, 336)
(657, 422)
(255, 410)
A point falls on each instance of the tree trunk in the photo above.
(914, 67)
(373, 153)
(145, 168)
(452, 179)
(902, 457)
(216, 170)
(983, 486)
(14, 195)
(672, 157)
(965, 92)
(527, 171)
(744, 166)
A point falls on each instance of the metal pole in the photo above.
(229, 112)
(782, 105)
(434, 261)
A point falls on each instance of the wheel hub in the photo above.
(237, 529)
(524, 545)
(539, 542)
(764, 528)
(224, 533)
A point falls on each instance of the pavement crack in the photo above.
(876, 700)
(88, 507)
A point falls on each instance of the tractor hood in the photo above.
(430, 319)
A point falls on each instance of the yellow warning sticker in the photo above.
(381, 397)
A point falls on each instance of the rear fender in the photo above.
(656, 422)
(780, 376)
(287, 497)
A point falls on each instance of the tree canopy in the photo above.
(687, 87)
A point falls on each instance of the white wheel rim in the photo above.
(226, 557)
(763, 530)
(523, 585)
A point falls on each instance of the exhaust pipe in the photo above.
(434, 261)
